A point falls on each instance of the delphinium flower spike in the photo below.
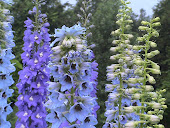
(152, 103)
(119, 73)
(6, 68)
(85, 17)
(35, 74)
(72, 100)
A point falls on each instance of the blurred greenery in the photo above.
(104, 18)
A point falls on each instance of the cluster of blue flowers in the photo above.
(35, 74)
(6, 68)
(72, 100)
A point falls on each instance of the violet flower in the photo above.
(35, 74)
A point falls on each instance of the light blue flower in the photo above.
(60, 34)
(78, 111)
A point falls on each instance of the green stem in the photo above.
(72, 97)
(145, 73)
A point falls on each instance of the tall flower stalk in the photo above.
(35, 74)
(152, 103)
(119, 73)
(72, 100)
(6, 68)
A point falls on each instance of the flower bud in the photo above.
(156, 24)
(155, 33)
(114, 49)
(155, 105)
(130, 124)
(137, 96)
(132, 80)
(153, 53)
(164, 106)
(156, 19)
(143, 28)
(129, 109)
(145, 23)
(151, 79)
(154, 119)
(152, 44)
(149, 88)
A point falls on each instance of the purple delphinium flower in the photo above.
(75, 73)
(6, 68)
(35, 74)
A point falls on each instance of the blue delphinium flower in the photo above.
(72, 98)
(6, 68)
(35, 74)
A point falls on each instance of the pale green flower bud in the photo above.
(130, 124)
(156, 19)
(155, 33)
(145, 23)
(141, 39)
(151, 79)
(164, 106)
(155, 66)
(112, 67)
(130, 36)
(114, 49)
(150, 112)
(143, 28)
(154, 71)
(155, 105)
(127, 41)
(156, 24)
(138, 72)
(153, 53)
(160, 126)
(115, 41)
(129, 21)
(129, 109)
(154, 119)
(137, 96)
(120, 61)
(116, 32)
(132, 80)
(149, 88)
(153, 94)
(137, 47)
(138, 62)
(152, 44)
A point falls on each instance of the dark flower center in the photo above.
(3, 77)
(84, 85)
(87, 120)
(56, 116)
(68, 79)
(5, 108)
(78, 107)
(1, 62)
(4, 95)
(86, 72)
(56, 69)
(73, 66)
(65, 60)
(134, 104)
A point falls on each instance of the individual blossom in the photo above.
(33, 78)
(6, 68)
(72, 98)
